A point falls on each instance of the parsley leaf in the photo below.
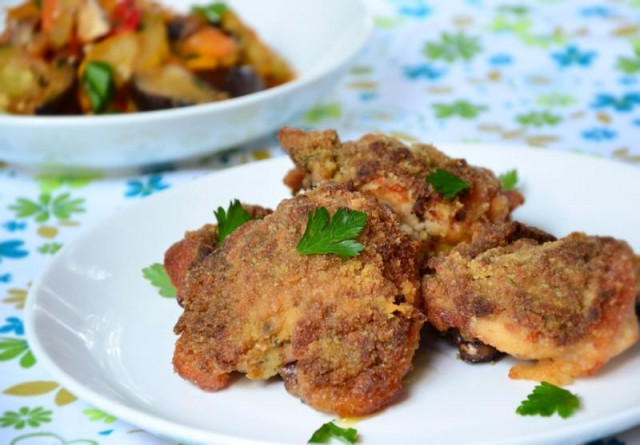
(228, 221)
(329, 430)
(447, 184)
(212, 12)
(547, 399)
(509, 179)
(158, 277)
(98, 82)
(333, 235)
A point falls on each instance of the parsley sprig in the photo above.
(230, 220)
(99, 85)
(509, 179)
(447, 184)
(212, 12)
(325, 234)
(329, 430)
(158, 277)
(547, 399)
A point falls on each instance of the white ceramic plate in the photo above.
(106, 335)
(318, 38)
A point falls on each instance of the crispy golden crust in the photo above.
(395, 174)
(195, 247)
(567, 304)
(341, 332)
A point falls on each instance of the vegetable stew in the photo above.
(118, 56)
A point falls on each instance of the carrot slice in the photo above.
(211, 43)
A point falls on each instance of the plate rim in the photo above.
(165, 428)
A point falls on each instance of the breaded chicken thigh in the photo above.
(395, 174)
(567, 304)
(196, 246)
(340, 332)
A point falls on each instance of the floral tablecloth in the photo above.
(563, 75)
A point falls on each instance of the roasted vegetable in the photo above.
(58, 21)
(242, 80)
(99, 85)
(126, 16)
(473, 351)
(181, 27)
(170, 86)
(209, 48)
(212, 13)
(93, 22)
(30, 86)
(271, 67)
(153, 44)
(59, 95)
(120, 52)
(208, 54)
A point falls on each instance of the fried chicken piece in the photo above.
(340, 332)
(196, 246)
(473, 350)
(568, 304)
(395, 174)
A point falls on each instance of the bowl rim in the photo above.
(365, 18)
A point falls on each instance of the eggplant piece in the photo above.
(242, 80)
(182, 27)
(478, 352)
(170, 86)
(473, 351)
(59, 95)
(30, 86)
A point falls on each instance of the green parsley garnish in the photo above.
(329, 430)
(212, 12)
(157, 275)
(447, 184)
(333, 235)
(509, 179)
(228, 221)
(547, 399)
(98, 83)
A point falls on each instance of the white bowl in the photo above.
(318, 38)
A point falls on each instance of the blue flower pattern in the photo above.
(501, 60)
(599, 11)
(12, 324)
(15, 226)
(573, 56)
(599, 134)
(139, 188)
(12, 249)
(416, 9)
(623, 103)
(423, 71)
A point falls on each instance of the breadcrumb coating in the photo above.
(566, 304)
(395, 174)
(340, 332)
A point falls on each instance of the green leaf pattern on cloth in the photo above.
(60, 206)
(15, 348)
(25, 417)
(95, 415)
